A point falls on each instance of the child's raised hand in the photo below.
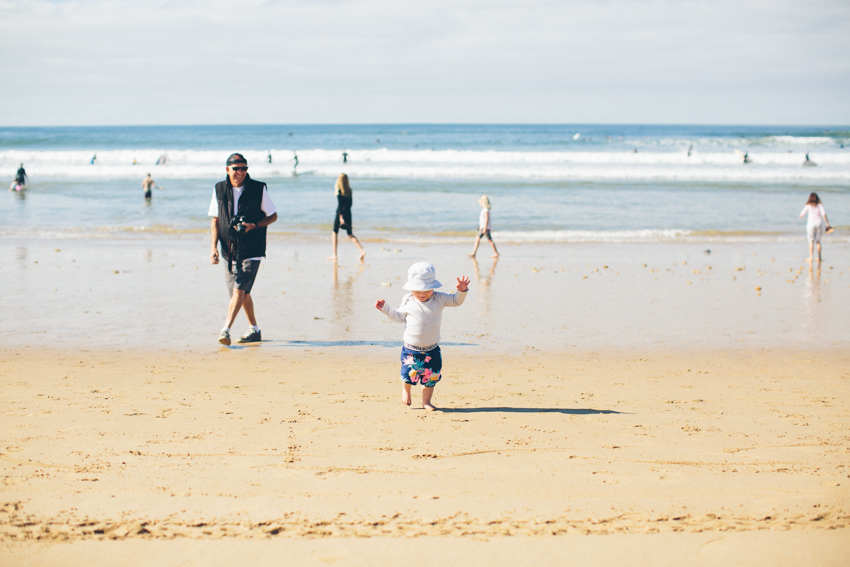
(379, 305)
(463, 283)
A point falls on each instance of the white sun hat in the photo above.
(421, 277)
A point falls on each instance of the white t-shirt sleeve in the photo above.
(267, 206)
(213, 206)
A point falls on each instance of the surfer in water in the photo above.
(93, 159)
(746, 157)
(295, 167)
(344, 157)
(270, 156)
(808, 162)
(147, 185)
(690, 149)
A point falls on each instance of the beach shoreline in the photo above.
(160, 293)
(652, 393)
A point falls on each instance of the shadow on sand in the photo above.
(577, 411)
(280, 344)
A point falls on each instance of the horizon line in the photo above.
(175, 125)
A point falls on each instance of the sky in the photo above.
(121, 62)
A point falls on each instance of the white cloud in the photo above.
(185, 61)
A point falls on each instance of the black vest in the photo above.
(249, 244)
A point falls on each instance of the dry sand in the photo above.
(647, 457)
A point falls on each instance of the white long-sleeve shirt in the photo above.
(422, 318)
(816, 214)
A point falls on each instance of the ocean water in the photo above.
(547, 183)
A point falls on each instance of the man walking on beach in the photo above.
(241, 209)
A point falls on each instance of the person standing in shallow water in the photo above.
(21, 176)
(484, 227)
(816, 224)
(147, 185)
(343, 215)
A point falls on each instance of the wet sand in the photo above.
(161, 292)
(140, 449)
(589, 410)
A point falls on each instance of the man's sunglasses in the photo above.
(243, 168)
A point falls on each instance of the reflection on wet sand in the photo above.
(811, 297)
(343, 294)
(484, 285)
(489, 277)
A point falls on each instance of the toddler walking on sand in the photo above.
(421, 311)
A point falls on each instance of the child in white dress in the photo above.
(421, 311)
(816, 224)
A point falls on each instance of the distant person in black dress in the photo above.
(343, 215)
(21, 176)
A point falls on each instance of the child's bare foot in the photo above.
(362, 255)
(809, 260)
(494, 256)
(405, 396)
(331, 258)
(426, 399)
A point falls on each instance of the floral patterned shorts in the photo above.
(421, 367)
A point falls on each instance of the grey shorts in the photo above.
(243, 276)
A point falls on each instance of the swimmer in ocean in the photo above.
(344, 157)
(294, 167)
(270, 156)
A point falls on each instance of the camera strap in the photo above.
(231, 251)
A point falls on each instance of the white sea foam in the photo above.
(646, 236)
(714, 166)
